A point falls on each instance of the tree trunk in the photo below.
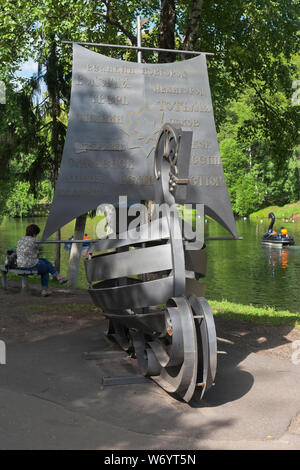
(167, 30)
(75, 254)
(57, 251)
(192, 33)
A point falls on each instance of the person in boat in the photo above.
(28, 258)
(283, 232)
(274, 237)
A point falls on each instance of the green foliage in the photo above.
(249, 195)
(17, 199)
(287, 211)
(258, 144)
(255, 45)
(4, 192)
(20, 201)
(45, 193)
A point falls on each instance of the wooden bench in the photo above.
(20, 272)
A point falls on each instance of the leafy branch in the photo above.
(112, 18)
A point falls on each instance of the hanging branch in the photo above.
(112, 18)
(21, 33)
(267, 105)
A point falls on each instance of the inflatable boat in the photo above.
(277, 239)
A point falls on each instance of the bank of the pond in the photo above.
(266, 315)
(244, 272)
(228, 310)
(289, 211)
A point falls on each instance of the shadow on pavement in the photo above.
(236, 341)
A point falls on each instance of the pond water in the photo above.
(239, 271)
(246, 272)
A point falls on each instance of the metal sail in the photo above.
(117, 111)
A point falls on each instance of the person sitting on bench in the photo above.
(28, 259)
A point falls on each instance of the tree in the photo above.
(259, 169)
(253, 42)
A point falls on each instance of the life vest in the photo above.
(283, 231)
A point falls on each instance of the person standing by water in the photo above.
(28, 259)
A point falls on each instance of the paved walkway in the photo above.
(52, 398)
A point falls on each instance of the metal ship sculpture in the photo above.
(147, 132)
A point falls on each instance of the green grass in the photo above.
(32, 279)
(284, 212)
(36, 279)
(265, 315)
(229, 310)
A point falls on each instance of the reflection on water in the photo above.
(276, 257)
(239, 271)
(247, 272)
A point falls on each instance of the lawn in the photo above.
(285, 212)
(265, 315)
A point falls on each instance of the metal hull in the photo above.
(149, 290)
(148, 287)
(279, 243)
